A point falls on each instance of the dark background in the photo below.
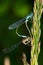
(10, 12)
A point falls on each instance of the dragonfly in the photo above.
(26, 39)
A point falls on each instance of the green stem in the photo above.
(36, 32)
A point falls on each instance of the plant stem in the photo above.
(36, 32)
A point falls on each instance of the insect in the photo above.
(16, 25)
(13, 47)
(19, 23)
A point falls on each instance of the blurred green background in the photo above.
(10, 12)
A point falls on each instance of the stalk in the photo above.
(36, 32)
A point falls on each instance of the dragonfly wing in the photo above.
(13, 47)
(15, 25)
(20, 22)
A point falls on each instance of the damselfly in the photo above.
(13, 47)
(19, 23)
(16, 25)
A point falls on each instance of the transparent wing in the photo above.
(13, 47)
(15, 25)
(20, 22)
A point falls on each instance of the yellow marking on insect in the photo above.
(26, 40)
